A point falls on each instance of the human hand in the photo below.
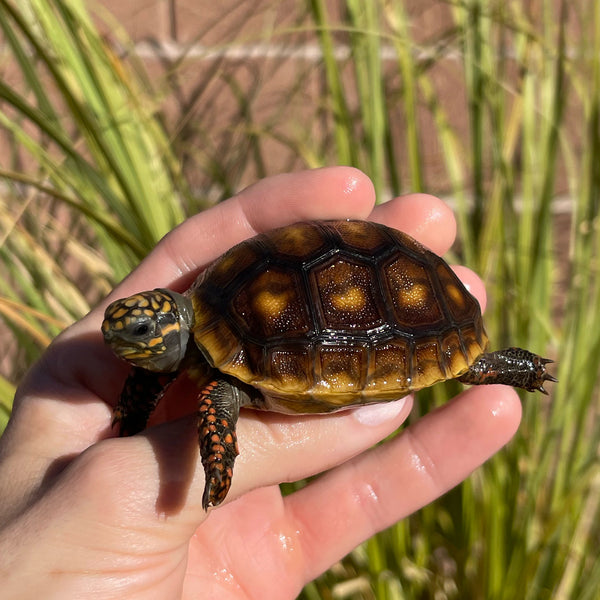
(85, 514)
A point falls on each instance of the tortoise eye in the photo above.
(141, 330)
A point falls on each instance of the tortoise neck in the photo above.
(177, 340)
(185, 308)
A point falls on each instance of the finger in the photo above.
(318, 194)
(328, 193)
(277, 448)
(395, 479)
(424, 217)
(162, 474)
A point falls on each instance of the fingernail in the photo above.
(376, 414)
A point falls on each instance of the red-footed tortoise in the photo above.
(309, 318)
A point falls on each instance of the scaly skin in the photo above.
(218, 412)
(512, 366)
(142, 391)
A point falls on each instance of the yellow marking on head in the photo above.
(140, 354)
(136, 312)
(155, 341)
(137, 300)
(352, 299)
(105, 325)
(118, 325)
(166, 307)
(156, 302)
(149, 312)
(170, 328)
(121, 312)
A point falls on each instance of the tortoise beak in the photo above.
(117, 344)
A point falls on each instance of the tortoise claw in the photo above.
(216, 487)
(117, 418)
(545, 375)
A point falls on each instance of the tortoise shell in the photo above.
(320, 316)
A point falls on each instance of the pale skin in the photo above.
(86, 514)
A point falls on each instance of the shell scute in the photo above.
(273, 304)
(362, 236)
(346, 293)
(238, 259)
(390, 370)
(291, 369)
(412, 294)
(342, 368)
(453, 353)
(428, 366)
(302, 240)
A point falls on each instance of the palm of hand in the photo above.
(83, 512)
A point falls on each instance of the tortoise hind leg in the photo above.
(218, 411)
(511, 366)
(141, 393)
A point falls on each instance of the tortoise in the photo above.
(309, 318)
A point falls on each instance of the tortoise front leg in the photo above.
(141, 393)
(218, 411)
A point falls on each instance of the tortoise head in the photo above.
(150, 329)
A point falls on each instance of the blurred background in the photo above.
(119, 119)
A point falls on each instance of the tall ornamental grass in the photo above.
(525, 525)
(94, 179)
(91, 183)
